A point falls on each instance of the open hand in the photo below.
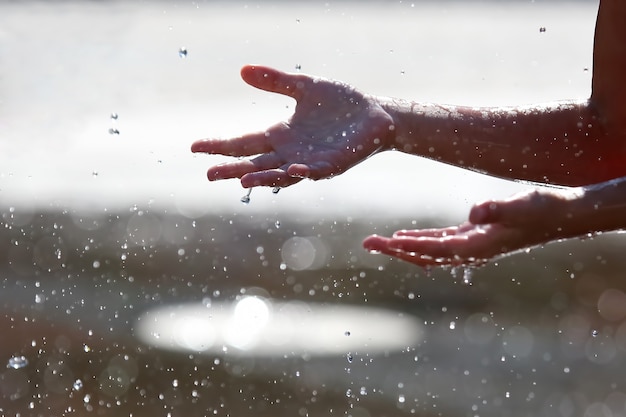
(495, 228)
(334, 127)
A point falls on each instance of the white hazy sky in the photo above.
(66, 67)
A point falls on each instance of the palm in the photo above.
(333, 128)
(466, 244)
(495, 228)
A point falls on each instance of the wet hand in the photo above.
(494, 229)
(333, 128)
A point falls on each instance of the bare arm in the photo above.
(569, 143)
(566, 143)
(559, 143)
(500, 227)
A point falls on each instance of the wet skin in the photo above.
(577, 144)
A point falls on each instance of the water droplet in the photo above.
(17, 362)
(277, 224)
(349, 357)
(542, 29)
(467, 276)
(39, 298)
(113, 131)
(347, 333)
(182, 52)
(594, 333)
(452, 325)
(401, 398)
(78, 385)
(114, 116)
(275, 190)
(298, 67)
(246, 198)
(348, 393)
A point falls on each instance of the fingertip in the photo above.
(249, 181)
(197, 146)
(299, 171)
(373, 242)
(248, 69)
(485, 212)
(255, 75)
(213, 174)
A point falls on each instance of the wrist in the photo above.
(395, 109)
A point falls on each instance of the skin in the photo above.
(577, 144)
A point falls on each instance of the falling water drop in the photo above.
(113, 131)
(246, 198)
(349, 357)
(114, 116)
(467, 276)
(275, 190)
(182, 52)
(17, 362)
(78, 385)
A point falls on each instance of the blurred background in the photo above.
(129, 285)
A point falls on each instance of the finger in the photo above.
(437, 232)
(268, 178)
(314, 171)
(275, 81)
(380, 244)
(240, 168)
(485, 212)
(250, 144)
(444, 247)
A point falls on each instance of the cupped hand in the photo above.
(494, 229)
(334, 127)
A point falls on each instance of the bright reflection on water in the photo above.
(253, 326)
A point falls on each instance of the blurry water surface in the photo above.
(121, 264)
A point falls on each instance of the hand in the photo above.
(495, 228)
(334, 127)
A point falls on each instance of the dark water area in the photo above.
(538, 333)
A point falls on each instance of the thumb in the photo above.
(486, 212)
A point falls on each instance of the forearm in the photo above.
(562, 143)
(599, 208)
